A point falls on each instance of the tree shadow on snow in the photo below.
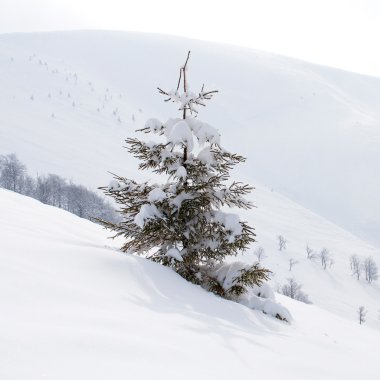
(164, 291)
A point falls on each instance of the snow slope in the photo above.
(310, 132)
(333, 289)
(75, 308)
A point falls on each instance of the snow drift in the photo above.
(74, 307)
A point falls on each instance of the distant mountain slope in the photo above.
(310, 132)
(72, 307)
(334, 289)
(70, 99)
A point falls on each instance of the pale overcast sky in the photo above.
(339, 33)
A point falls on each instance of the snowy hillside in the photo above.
(68, 100)
(334, 289)
(75, 308)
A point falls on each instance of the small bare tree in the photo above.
(311, 255)
(325, 257)
(292, 262)
(362, 312)
(260, 254)
(293, 290)
(356, 266)
(281, 242)
(309, 251)
(370, 270)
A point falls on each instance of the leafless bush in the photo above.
(260, 254)
(362, 312)
(326, 258)
(311, 254)
(293, 290)
(356, 266)
(370, 270)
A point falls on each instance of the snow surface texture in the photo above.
(80, 309)
(310, 132)
(75, 308)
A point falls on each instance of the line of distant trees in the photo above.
(54, 190)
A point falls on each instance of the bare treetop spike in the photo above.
(188, 100)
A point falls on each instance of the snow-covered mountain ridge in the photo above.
(74, 307)
(310, 132)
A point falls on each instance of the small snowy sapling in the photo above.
(179, 223)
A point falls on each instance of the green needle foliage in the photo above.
(180, 223)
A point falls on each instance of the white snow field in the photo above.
(310, 132)
(75, 308)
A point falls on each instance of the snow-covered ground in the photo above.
(310, 132)
(333, 289)
(75, 308)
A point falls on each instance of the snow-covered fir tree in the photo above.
(182, 223)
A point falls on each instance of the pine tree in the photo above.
(180, 223)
